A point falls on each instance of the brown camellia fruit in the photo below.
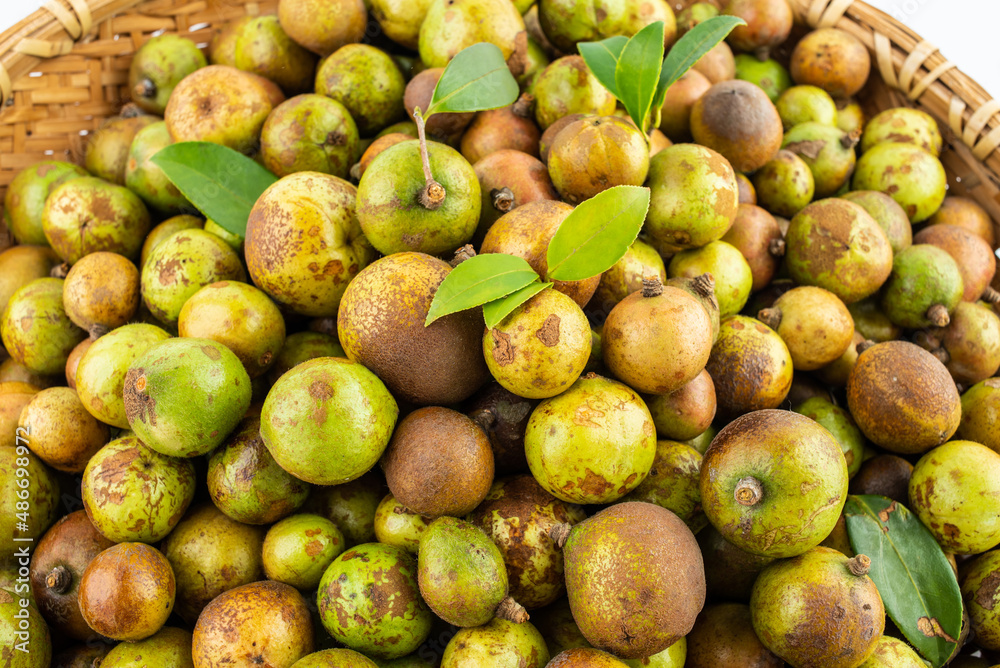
(903, 398)
(737, 119)
(966, 213)
(508, 179)
(658, 339)
(813, 323)
(833, 60)
(439, 462)
(262, 624)
(63, 434)
(504, 416)
(418, 93)
(57, 565)
(750, 365)
(101, 292)
(723, 637)
(127, 591)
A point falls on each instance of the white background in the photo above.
(966, 31)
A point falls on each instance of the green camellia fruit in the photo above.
(35, 328)
(184, 396)
(26, 195)
(328, 420)
(18, 521)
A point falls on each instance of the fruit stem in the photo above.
(512, 611)
(850, 140)
(524, 106)
(990, 296)
(96, 331)
(938, 315)
(704, 285)
(770, 316)
(462, 254)
(859, 565)
(502, 198)
(864, 345)
(433, 193)
(651, 287)
(59, 580)
(485, 419)
(776, 247)
(749, 491)
(60, 270)
(559, 533)
(763, 53)
(145, 89)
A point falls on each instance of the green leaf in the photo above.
(597, 233)
(498, 309)
(913, 576)
(689, 49)
(222, 183)
(477, 78)
(602, 59)
(479, 280)
(638, 72)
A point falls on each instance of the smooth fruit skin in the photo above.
(17, 621)
(694, 196)
(814, 612)
(541, 348)
(298, 549)
(400, 19)
(460, 572)
(158, 66)
(839, 423)
(903, 398)
(170, 646)
(263, 623)
(100, 376)
(147, 179)
(309, 133)
(367, 82)
(922, 276)
(955, 491)
(43, 496)
(730, 270)
(981, 592)
(184, 396)
(785, 185)
(26, 195)
(981, 414)
(19, 265)
(328, 420)
(910, 175)
(368, 599)
(398, 526)
(452, 25)
(127, 591)
(567, 86)
(594, 443)
(497, 643)
(35, 328)
(827, 150)
(635, 579)
(133, 493)
(802, 481)
(893, 653)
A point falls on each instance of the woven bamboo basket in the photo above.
(64, 69)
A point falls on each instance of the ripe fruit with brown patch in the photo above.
(635, 579)
(35, 328)
(903, 398)
(26, 195)
(723, 637)
(818, 609)
(567, 86)
(593, 154)
(910, 175)
(298, 549)
(541, 348)
(439, 462)
(737, 119)
(63, 434)
(20, 265)
(833, 60)
(975, 259)
(323, 27)
(813, 323)
(309, 133)
(101, 292)
(58, 563)
(127, 591)
(498, 642)
(267, 622)
(107, 150)
(887, 213)
(517, 515)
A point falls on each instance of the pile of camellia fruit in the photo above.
(501, 334)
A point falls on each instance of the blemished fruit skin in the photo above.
(35, 328)
(737, 119)
(815, 612)
(892, 653)
(133, 493)
(594, 443)
(981, 592)
(309, 133)
(367, 82)
(981, 414)
(576, 171)
(335, 658)
(17, 618)
(368, 599)
(497, 643)
(460, 572)
(26, 195)
(264, 48)
(773, 483)
(43, 498)
(107, 149)
(814, 324)
(955, 491)
(909, 174)
(723, 637)
(585, 657)
(298, 549)
(452, 25)
(923, 276)
(184, 396)
(567, 86)
(158, 66)
(170, 646)
(750, 366)
(304, 243)
(541, 348)
(328, 401)
(635, 579)
(906, 126)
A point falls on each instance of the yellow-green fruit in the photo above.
(108, 148)
(240, 317)
(813, 323)
(674, 656)
(827, 150)
(625, 277)
(14, 396)
(26, 195)
(264, 48)
(147, 179)
(584, 657)
(62, 433)
(907, 173)
(955, 491)
(818, 609)
(35, 328)
(170, 646)
(367, 82)
(209, 554)
(575, 168)
(304, 243)
(750, 366)
(497, 643)
(335, 658)
(981, 592)
(309, 133)
(673, 483)
(401, 19)
(351, 506)
(806, 104)
(298, 549)
(157, 235)
(731, 271)
(395, 525)
(567, 23)
(321, 26)
(541, 348)
(905, 126)
(158, 66)
(774, 483)
(981, 414)
(19, 266)
(839, 423)
(452, 25)
(100, 376)
(582, 451)
(893, 653)
(567, 86)
(42, 496)
(302, 347)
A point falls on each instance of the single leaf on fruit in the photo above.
(597, 233)
(479, 280)
(689, 49)
(221, 183)
(913, 576)
(476, 79)
(602, 59)
(637, 73)
(498, 309)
